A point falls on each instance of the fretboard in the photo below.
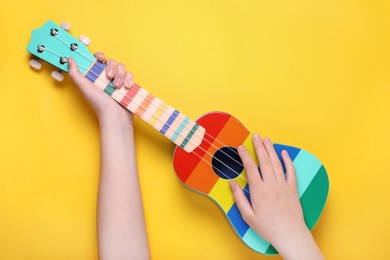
(181, 130)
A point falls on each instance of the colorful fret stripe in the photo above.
(181, 130)
(196, 170)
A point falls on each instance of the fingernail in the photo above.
(256, 137)
(232, 185)
(116, 82)
(110, 73)
(127, 83)
(241, 148)
(267, 140)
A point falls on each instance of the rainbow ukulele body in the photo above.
(210, 167)
(205, 159)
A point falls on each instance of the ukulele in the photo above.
(206, 158)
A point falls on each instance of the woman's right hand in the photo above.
(275, 212)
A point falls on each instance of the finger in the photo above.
(277, 166)
(100, 56)
(75, 75)
(242, 202)
(267, 172)
(250, 166)
(119, 75)
(111, 68)
(129, 80)
(290, 170)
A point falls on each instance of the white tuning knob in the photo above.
(57, 75)
(84, 39)
(35, 64)
(66, 26)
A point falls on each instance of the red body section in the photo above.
(195, 168)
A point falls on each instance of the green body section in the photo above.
(314, 197)
(312, 200)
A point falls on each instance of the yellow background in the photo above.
(313, 74)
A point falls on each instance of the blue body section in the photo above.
(292, 152)
(235, 216)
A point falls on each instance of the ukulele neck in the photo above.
(177, 127)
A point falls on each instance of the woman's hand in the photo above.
(120, 215)
(104, 106)
(275, 211)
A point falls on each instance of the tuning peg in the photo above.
(57, 75)
(66, 26)
(35, 64)
(84, 39)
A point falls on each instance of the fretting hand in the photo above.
(103, 105)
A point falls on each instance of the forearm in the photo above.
(121, 223)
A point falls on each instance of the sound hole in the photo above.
(227, 163)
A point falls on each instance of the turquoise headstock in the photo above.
(54, 45)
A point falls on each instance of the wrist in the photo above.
(117, 120)
(298, 245)
(115, 117)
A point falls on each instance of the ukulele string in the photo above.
(227, 177)
(159, 107)
(98, 64)
(203, 159)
